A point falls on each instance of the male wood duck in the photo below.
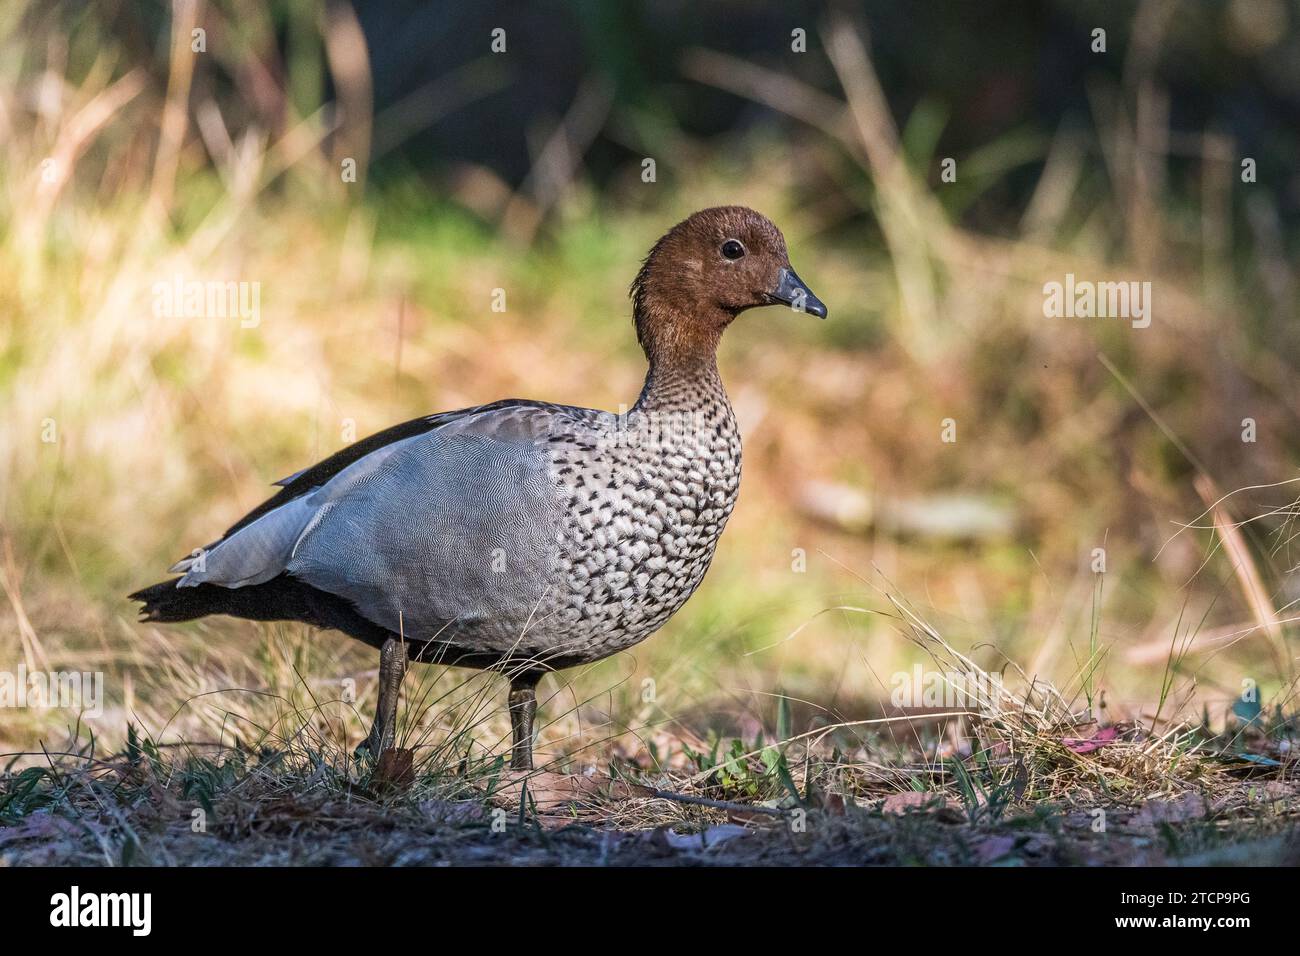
(520, 536)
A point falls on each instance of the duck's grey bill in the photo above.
(791, 291)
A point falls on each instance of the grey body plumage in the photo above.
(524, 531)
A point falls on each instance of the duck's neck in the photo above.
(670, 385)
(683, 364)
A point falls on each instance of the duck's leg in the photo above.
(392, 668)
(523, 709)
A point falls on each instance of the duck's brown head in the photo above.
(706, 271)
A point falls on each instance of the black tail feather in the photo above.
(282, 598)
(166, 602)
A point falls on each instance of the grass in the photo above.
(1013, 778)
(126, 438)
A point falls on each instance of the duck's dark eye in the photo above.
(732, 249)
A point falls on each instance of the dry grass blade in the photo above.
(349, 60)
(175, 116)
(1245, 570)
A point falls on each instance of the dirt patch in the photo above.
(259, 822)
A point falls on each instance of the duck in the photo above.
(519, 536)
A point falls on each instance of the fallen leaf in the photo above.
(1103, 737)
(394, 771)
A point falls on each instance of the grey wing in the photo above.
(458, 525)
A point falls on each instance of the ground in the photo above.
(146, 807)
